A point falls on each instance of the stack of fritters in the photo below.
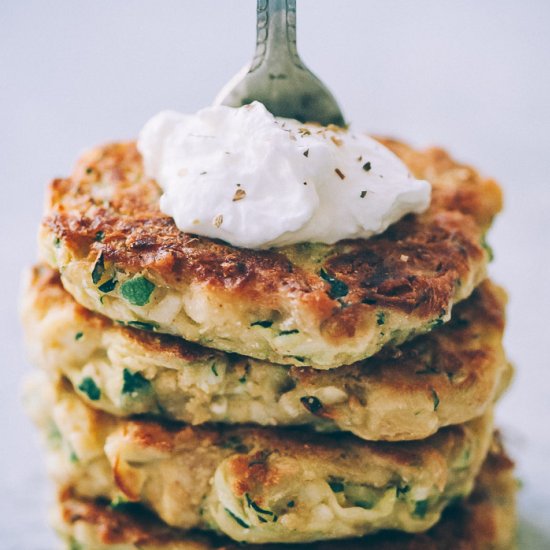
(193, 392)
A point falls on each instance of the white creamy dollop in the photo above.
(257, 181)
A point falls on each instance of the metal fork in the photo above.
(277, 77)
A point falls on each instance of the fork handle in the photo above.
(276, 35)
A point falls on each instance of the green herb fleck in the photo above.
(108, 286)
(338, 289)
(89, 387)
(99, 236)
(120, 504)
(240, 521)
(363, 194)
(380, 318)
(487, 247)
(134, 382)
(435, 399)
(75, 545)
(78, 336)
(436, 323)
(137, 291)
(401, 491)
(141, 325)
(73, 458)
(57, 242)
(242, 379)
(214, 370)
(117, 501)
(98, 270)
(263, 324)
(290, 504)
(336, 486)
(367, 166)
(311, 403)
(54, 435)
(287, 332)
(255, 507)
(420, 508)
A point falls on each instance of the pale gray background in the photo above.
(471, 75)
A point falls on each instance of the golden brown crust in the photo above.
(485, 520)
(439, 255)
(170, 439)
(447, 360)
(414, 268)
(463, 188)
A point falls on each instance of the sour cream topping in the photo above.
(257, 181)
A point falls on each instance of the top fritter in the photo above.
(305, 304)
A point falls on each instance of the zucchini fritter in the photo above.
(484, 521)
(259, 485)
(448, 376)
(307, 305)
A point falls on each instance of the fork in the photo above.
(277, 77)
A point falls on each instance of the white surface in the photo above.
(472, 76)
